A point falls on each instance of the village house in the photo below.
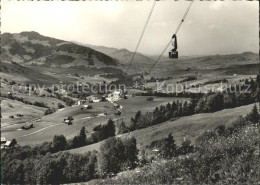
(68, 122)
(9, 144)
(96, 100)
(93, 99)
(115, 96)
(85, 107)
(3, 140)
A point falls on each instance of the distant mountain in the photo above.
(142, 63)
(33, 48)
(122, 55)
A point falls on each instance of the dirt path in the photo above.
(40, 130)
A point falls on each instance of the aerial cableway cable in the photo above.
(182, 20)
(150, 14)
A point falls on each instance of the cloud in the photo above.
(119, 24)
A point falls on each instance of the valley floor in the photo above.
(45, 127)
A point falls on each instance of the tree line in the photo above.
(207, 103)
(28, 165)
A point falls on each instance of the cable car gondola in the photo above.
(174, 53)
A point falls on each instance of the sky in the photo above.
(211, 27)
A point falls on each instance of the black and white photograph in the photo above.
(142, 92)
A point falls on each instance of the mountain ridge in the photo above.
(32, 47)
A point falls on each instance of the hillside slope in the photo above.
(33, 48)
(122, 55)
(192, 126)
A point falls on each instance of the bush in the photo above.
(12, 83)
(60, 106)
(122, 128)
(166, 146)
(59, 143)
(79, 140)
(103, 131)
(49, 111)
(116, 155)
(39, 104)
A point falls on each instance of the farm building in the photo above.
(101, 115)
(3, 140)
(10, 144)
(96, 100)
(116, 105)
(7, 144)
(68, 122)
(19, 115)
(85, 107)
(115, 96)
(26, 127)
(155, 150)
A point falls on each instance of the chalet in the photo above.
(27, 127)
(10, 144)
(96, 100)
(7, 144)
(86, 107)
(116, 105)
(118, 113)
(3, 140)
(19, 115)
(155, 150)
(115, 96)
(101, 115)
(93, 99)
(68, 122)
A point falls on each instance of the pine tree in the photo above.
(137, 115)
(82, 136)
(254, 115)
(109, 129)
(174, 106)
(59, 143)
(133, 125)
(185, 109)
(169, 147)
(122, 128)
